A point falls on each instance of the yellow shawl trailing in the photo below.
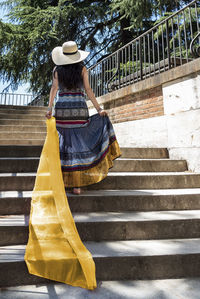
(55, 250)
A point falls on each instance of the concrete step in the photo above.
(21, 135)
(141, 153)
(129, 165)
(35, 116)
(148, 180)
(14, 128)
(114, 181)
(182, 288)
(21, 142)
(117, 260)
(20, 150)
(145, 153)
(148, 165)
(22, 122)
(16, 202)
(108, 226)
(11, 164)
(22, 108)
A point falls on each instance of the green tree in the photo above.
(34, 27)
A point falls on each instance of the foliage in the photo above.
(34, 27)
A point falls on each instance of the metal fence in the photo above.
(172, 42)
(20, 99)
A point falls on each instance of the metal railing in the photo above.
(20, 99)
(172, 42)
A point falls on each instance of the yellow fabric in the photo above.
(94, 174)
(55, 250)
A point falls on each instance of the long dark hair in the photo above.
(69, 75)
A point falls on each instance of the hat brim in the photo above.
(60, 59)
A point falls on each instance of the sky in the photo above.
(22, 89)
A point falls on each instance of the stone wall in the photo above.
(182, 109)
(162, 111)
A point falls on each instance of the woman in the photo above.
(87, 144)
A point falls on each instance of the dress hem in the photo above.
(95, 174)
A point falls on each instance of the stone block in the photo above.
(151, 132)
(192, 155)
(182, 94)
(184, 129)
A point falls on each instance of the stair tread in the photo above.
(117, 289)
(133, 248)
(115, 173)
(153, 173)
(24, 139)
(102, 193)
(118, 159)
(19, 158)
(28, 126)
(21, 107)
(92, 217)
(149, 159)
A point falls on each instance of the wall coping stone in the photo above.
(157, 80)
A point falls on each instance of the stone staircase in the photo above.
(141, 222)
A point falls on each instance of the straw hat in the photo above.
(68, 54)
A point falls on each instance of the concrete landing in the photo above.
(146, 289)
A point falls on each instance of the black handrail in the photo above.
(164, 46)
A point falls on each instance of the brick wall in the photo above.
(144, 104)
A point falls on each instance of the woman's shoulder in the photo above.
(55, 73)
(84, 71)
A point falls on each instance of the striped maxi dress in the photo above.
(87, 145)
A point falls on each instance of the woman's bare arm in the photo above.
(90, 93)
(53, 91)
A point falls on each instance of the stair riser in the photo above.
(149, 166)
(27, 112)
(21, 206)
(18, 142)
(21, 183)
(145, 153)
(20, 116)
(21, 165)
(22, 108)
(28, 151)
(148, 182)
(115, 268)
(104, 231)
(32, 129)
(22, 122)
(20, 151)
(22, 135)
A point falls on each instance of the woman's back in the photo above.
(71, 103)
(70, 76)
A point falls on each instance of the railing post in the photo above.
(5, 100)
(118, 66)
(168, 44)
(140, 58)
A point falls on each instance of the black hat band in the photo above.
(72, 53)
